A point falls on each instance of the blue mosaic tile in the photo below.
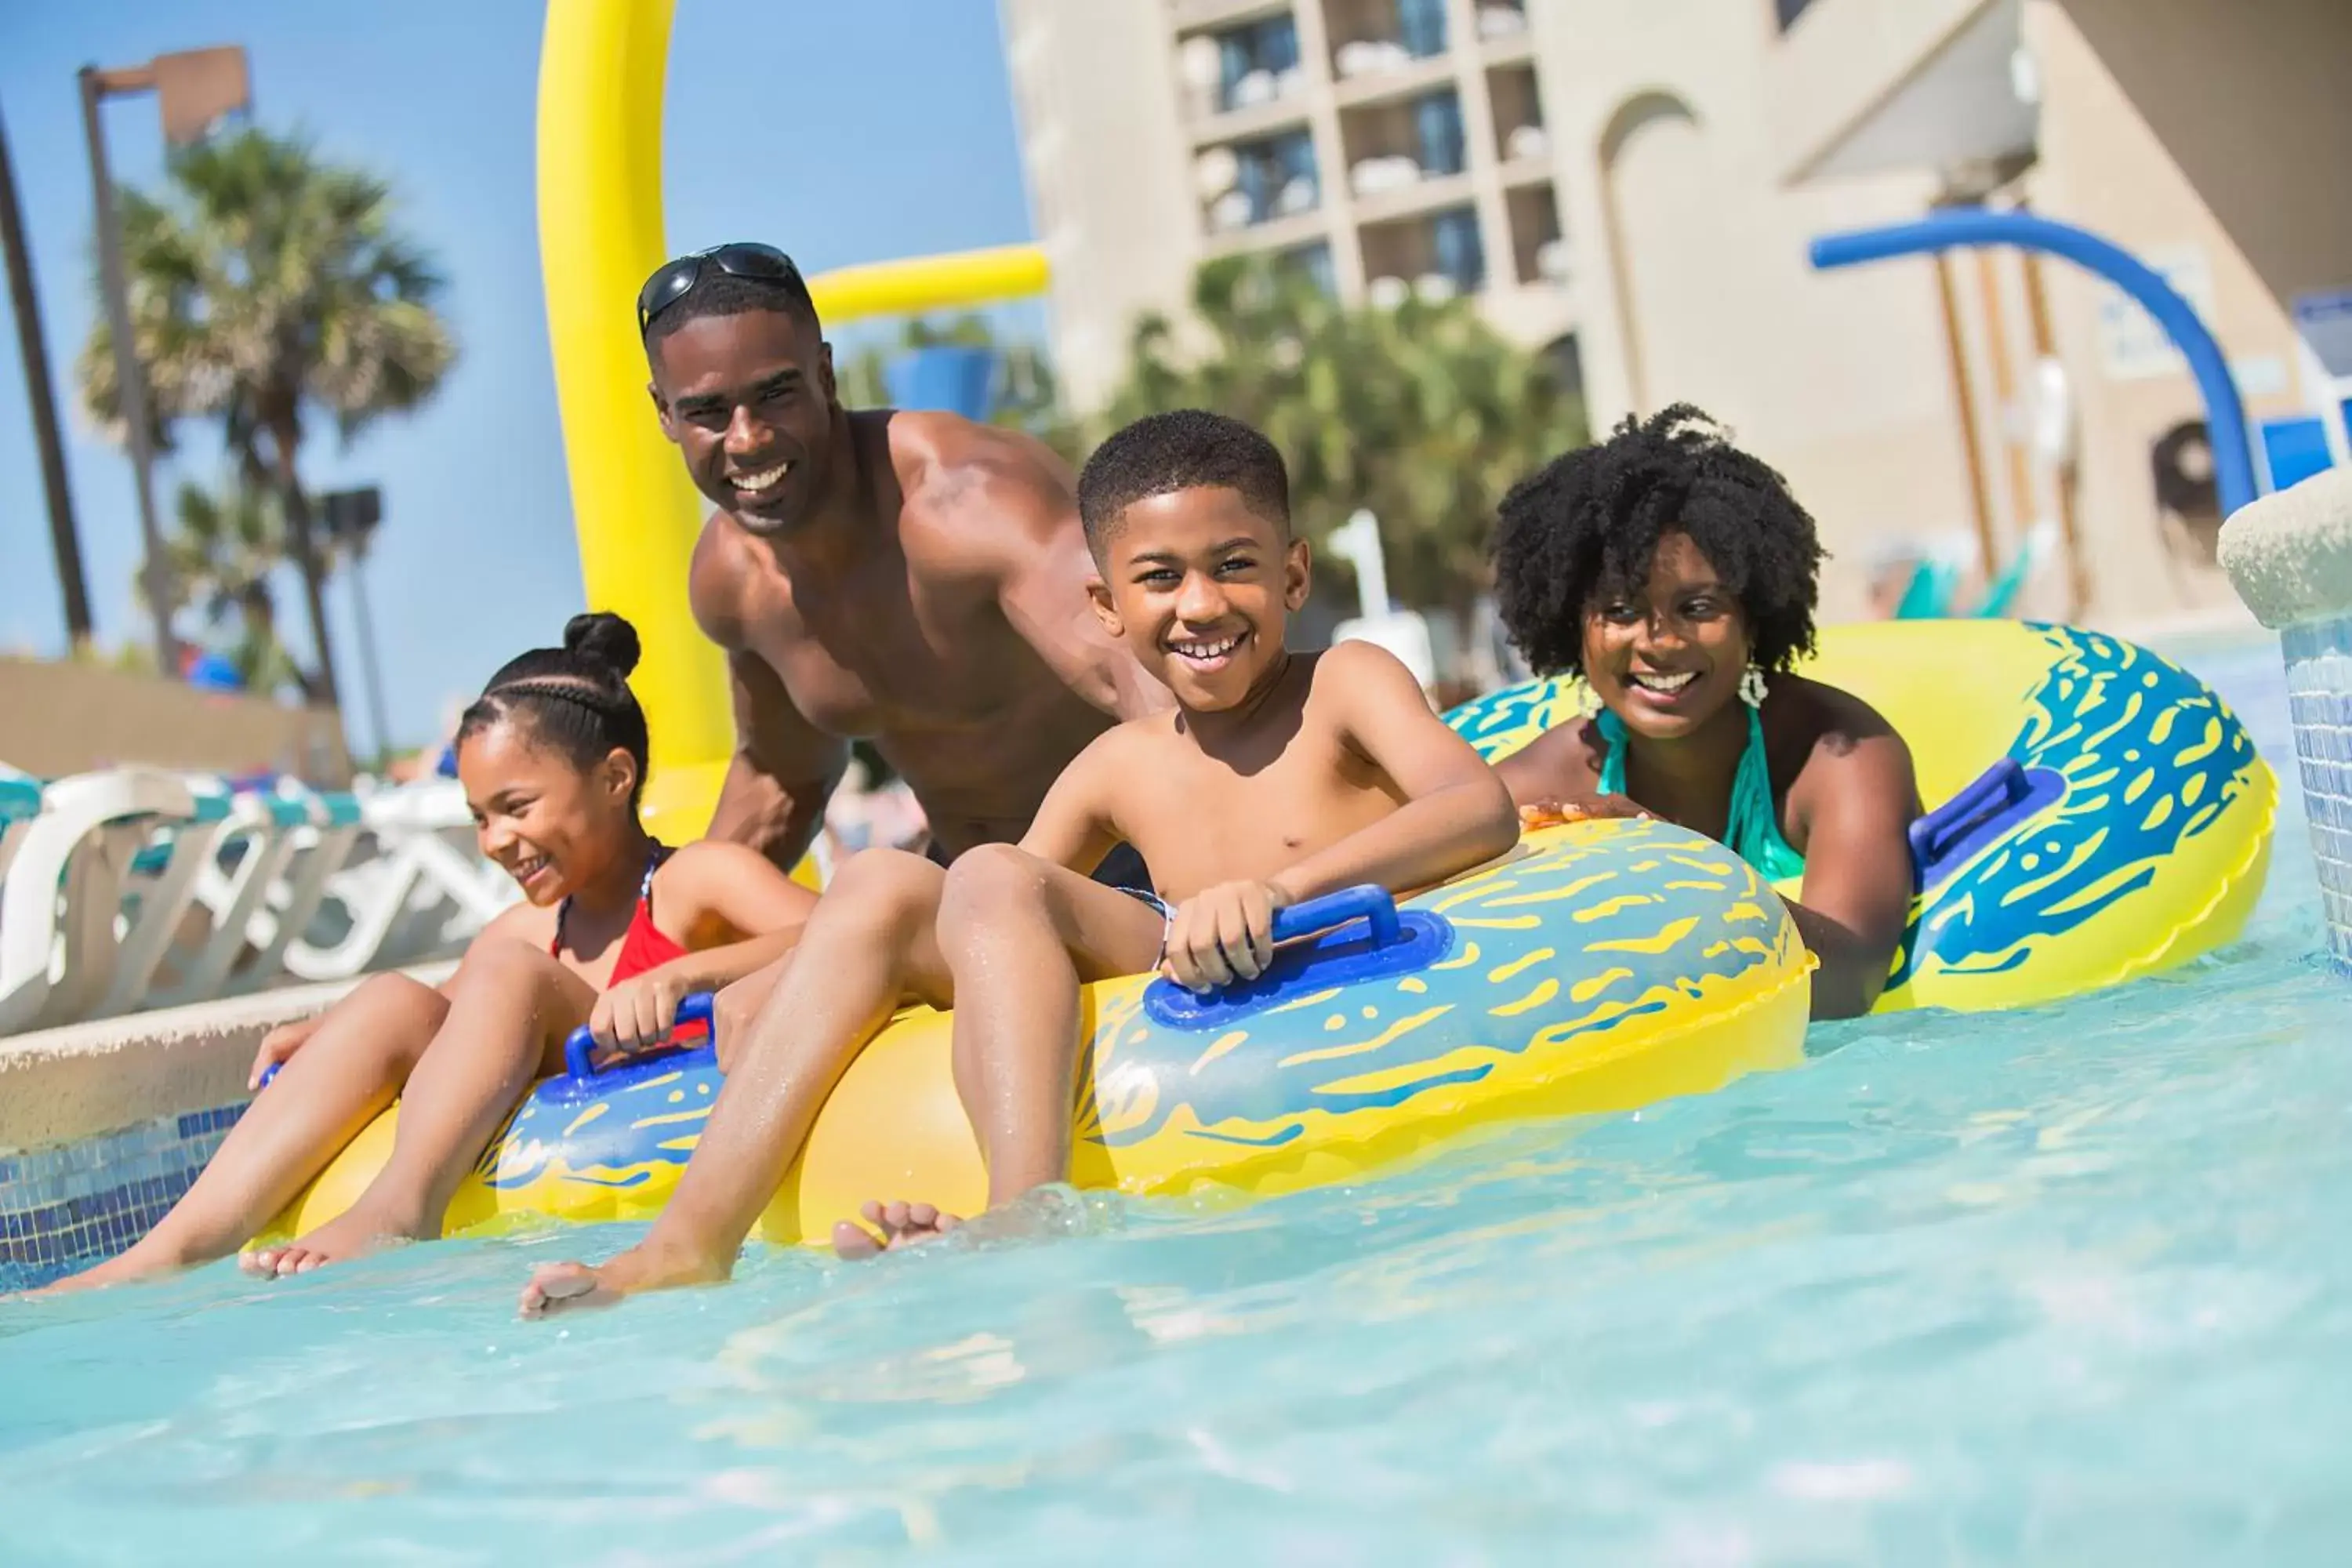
(63, 1209)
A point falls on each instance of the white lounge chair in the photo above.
(61, 906)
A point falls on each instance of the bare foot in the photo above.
(902, 1225)
(557, 1287)
(355, 1233)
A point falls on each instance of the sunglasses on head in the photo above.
(674, 280)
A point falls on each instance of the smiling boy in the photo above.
(1278, 778)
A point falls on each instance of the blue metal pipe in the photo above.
(2225, 417)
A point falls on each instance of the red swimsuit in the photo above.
(642, 945)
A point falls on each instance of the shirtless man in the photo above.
(914, 578)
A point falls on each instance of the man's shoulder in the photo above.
(949, 468)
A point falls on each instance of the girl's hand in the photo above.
(637, 1014)
(1222, 935)
(277, 1046)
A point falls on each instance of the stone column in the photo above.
(2290, 557)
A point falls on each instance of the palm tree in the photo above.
(1422, 414)
(222, 550)
(270, 289)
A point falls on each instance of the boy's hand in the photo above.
(637, 1014)
(1223, 935)
(1552, 813)
(277, 1046)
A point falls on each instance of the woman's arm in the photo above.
(1856, 898)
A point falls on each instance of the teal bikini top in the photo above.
(1753, 831)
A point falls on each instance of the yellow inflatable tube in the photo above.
(2099, 812)
(1601, 966)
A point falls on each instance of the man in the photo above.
(914, 578)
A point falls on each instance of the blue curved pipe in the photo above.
(2225, 417)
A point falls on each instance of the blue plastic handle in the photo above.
(580, 1048)
(1369, 902)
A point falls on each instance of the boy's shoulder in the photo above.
(1356, 671)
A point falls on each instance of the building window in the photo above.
(1460, 256)
(1421, 27)
(1273, 178)
(1789, 11)
(1257, 63)
(1438, 126)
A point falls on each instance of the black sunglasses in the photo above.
(674, 280)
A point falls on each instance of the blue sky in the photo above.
(842, 132)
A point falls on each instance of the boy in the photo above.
(1278, 778)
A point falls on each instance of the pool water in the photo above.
(2067, 1286)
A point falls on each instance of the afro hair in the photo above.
(1587, 524)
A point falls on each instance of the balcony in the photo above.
(1538, 252)
(1377, 38)
(1257, 183)
(1435, 255)
(1504, 37)
(1242, 79)
(1195, 16)
(1521, 137)
(1286, 236)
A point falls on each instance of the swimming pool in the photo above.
(2065, 1286)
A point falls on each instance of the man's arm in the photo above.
(1857, 889)
(1024, 526)
(784, 771)
(1456, 814)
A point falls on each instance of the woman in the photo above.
(1677, 576)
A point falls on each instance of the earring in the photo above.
(1585, 704)
(1751, 686)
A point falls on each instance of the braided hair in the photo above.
(575, 698)
(1588, 524)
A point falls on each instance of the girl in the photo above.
(614, 930)
(1677, 576)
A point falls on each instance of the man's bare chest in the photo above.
(875, 662)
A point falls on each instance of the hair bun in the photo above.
(603, 638)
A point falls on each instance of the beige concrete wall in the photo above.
(2250, 101)
(1692, 283)
(2193, 128)
(60, 1085)
(59, 718)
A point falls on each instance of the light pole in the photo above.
(196, 88)
(350, 517)
(64, 539)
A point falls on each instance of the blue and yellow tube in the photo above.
(2102, 812)
(1602, 965)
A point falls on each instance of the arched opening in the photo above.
(1651, 169)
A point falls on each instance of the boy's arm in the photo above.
(1456, 814)
(1074, 826)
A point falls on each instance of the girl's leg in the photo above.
(511, 1007)
(868, 943)
(340, 1079)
